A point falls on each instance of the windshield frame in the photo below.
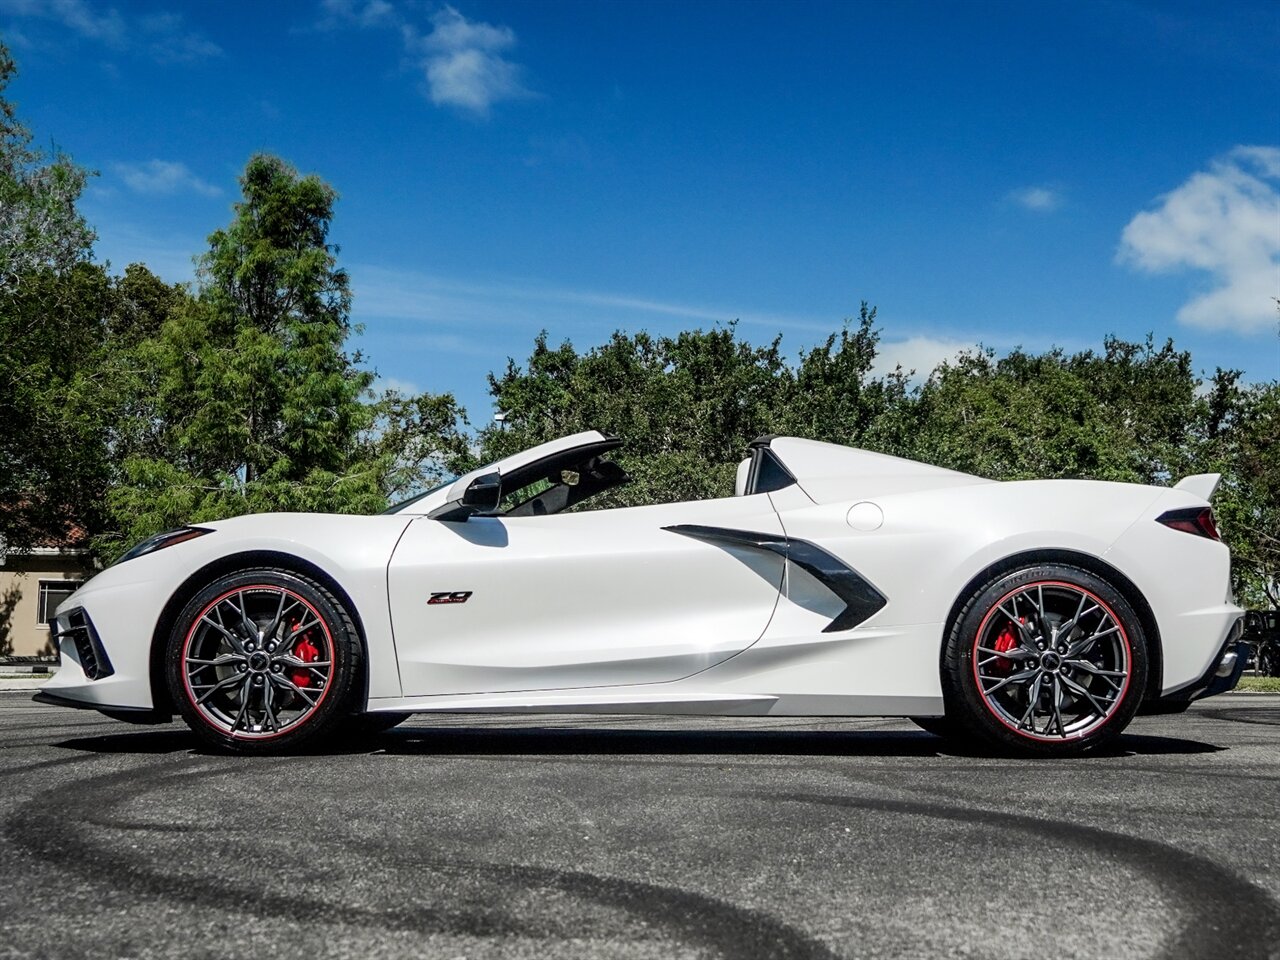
(398, 507)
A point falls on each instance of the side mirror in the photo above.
(483, 494)
(480, 498)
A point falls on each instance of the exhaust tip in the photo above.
(1227, 665)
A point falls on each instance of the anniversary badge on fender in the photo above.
(450, 596)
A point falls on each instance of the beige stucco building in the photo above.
(32, 584)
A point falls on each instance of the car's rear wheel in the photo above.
(1268, 664)
(1048, 660)
(262, 661)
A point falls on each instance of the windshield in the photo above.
(397, 507)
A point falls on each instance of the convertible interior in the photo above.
(561, 481)
(558, 482)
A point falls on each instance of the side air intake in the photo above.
(80, 632)
(861, 599)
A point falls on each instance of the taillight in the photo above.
(1196, 520)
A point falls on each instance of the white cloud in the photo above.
(1224, 221)
(463, 62)
(406, 387)
(443, 301)
(14, 37)
(93, 23)
(172, 42)
(920, 354)
(370, 13)
(163, 178)
(167, 254)
(163, 36)
(1036, 199)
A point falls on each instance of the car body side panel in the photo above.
(579, 599)
(932, 544)
(125, 601)
(929, 545)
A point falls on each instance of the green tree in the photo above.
(244, 397)
(1246, 450)
(1127, 414)
(687, 405)
(40, 228)
(417, 441)
(53, 305)
(141, 305)
(1149, 395)
(834, 397)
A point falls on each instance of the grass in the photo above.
(1259, 684)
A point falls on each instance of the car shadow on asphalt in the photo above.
(562, 741)
(801, 743)
(172, 739)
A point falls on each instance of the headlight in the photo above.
(162, 540)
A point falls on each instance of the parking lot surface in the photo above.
(465, 836)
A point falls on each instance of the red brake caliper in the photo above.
(307, 652)
(1007, 641)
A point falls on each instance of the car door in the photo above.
(601, 598)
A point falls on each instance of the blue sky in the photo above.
(1014, 173)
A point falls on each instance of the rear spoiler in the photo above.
(1201, 485)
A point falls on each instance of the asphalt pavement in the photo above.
(462, 836)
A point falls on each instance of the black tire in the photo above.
(258, 682)
(938, 726)
(1268, 660)
(1088, 679)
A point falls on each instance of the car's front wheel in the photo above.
(1048, 660)
(263, 660)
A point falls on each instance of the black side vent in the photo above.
(80, 631)
(861, 599)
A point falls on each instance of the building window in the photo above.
(52, 593)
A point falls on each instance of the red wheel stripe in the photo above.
(186, 648)
(1124, 636)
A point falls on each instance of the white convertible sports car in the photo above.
(1033, 615)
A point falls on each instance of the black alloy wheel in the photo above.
(263, 660)
(1048, 660)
